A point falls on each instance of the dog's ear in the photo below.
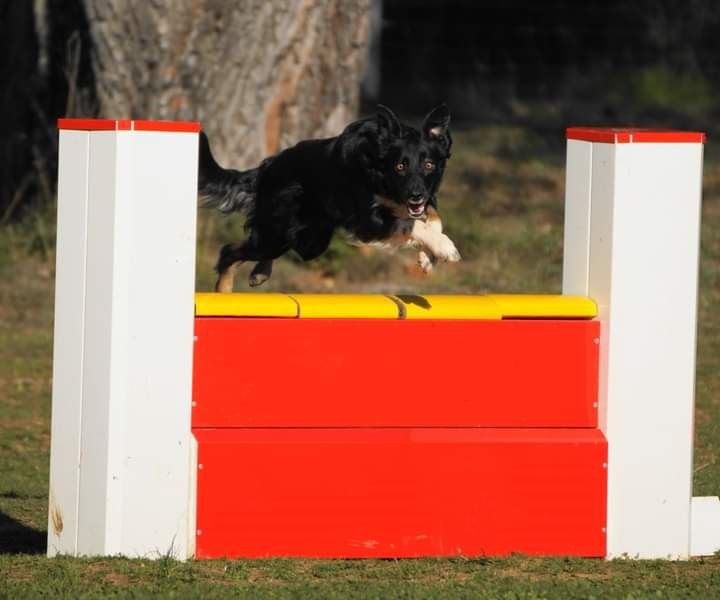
(387, 120)
(437, 121)
(436, 126)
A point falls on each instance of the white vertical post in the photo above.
(578, 170)
(633, 209)
(121, 451)
(69, 339)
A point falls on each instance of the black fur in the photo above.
(296, 199)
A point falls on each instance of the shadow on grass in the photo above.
(17, 538)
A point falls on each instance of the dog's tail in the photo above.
(227, 190)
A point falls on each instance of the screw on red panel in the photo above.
(193, 404)
(199, 532)
(604, 465)
(200, 467)
(596, 341)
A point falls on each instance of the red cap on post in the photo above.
(631, 135)
(128, 125)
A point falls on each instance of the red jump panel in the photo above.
(387, 373)
(400, 492)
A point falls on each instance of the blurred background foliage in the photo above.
(562, 61)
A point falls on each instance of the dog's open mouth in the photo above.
(416, 208)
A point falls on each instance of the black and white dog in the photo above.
(377, 181)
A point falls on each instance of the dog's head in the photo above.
(412, 161)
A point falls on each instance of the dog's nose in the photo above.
(415, 198)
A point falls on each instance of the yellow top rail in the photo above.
(379, 306)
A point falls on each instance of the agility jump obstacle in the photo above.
(256, 425)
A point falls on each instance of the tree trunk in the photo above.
(260, 75)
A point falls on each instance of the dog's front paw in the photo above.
(425, 261)
(445, 249)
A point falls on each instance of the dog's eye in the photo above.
(428, 165)
(400, 167)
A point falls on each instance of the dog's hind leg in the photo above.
(272, 226)
(230, 255)
(226, 280)
(263, 249)
(314, 240)
(261, 273)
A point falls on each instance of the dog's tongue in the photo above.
(416, 210)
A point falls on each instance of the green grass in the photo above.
(502, 203)
(511, 578)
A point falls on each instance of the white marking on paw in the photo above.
(444, 249)
(425, 262)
